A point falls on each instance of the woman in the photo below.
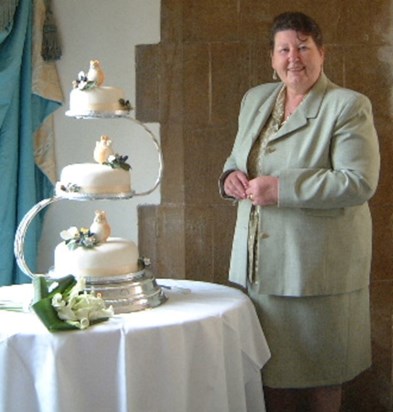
(303, 166)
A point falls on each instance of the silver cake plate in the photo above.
(92, 114)
(127, 293)
(70, 195)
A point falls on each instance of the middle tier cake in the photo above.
(109, 176)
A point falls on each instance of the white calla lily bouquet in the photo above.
(64, 304)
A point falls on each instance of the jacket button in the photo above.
(264, 235)
(270, 149)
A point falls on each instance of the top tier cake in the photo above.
(89, 96)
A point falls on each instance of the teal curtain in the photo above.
(22, 183)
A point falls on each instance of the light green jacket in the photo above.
(318, 240)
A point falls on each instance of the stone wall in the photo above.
(210, 53)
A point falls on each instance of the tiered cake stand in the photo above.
(126, 293)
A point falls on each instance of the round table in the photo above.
(201, 351)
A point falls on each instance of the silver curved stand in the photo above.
(126, 293)
(121, 115)
(160, 159)
(21, 234)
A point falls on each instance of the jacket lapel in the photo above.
(309, 109)
(263, 113)
(266, 104)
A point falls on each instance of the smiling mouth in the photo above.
(295, 69)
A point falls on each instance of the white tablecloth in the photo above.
(200, 351)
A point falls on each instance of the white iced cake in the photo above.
(100, 99)
(91, 252)
(89, 96)
(110, 175)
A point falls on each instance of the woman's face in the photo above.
(297, 60)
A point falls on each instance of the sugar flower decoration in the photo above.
(82, 237)
(117, 161)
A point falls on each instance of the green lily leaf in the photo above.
(65, 284)
(58, 304)
(48, 316)
(40, 288)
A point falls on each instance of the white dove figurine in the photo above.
(100, 226)
(103, 149)
(95, 73)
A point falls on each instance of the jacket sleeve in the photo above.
(221, 181)
(230, 164)
(354, 157)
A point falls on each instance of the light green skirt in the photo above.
(314, 341)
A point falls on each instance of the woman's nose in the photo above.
(294, 55)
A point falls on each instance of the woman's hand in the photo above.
(236, 184)
(263, 190)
